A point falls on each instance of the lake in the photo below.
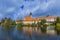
(20, 35)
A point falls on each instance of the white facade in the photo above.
(28, 22)
(50, 19)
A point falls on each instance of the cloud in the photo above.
(45, 6)
(34, 6)
(1, 15)
(28, 0)
(11, 9)
(37, 7)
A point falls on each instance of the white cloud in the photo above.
(1, 15)
(11, 9)
(29, 7)
(35, 8)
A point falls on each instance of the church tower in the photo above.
(30, 14)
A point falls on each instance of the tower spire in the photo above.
(30, 14)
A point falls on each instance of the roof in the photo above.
(27, 19)
(30, 19)
(47, 17)
(37, 19)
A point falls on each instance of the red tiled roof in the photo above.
(47, 17)
(30, 19)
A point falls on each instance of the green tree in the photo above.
(34, 25)
(57, 28)
(57, 25)
(39, 24)
(43, 25)
(19, 26)
(43, 21)
(8, 24)
(58, 20)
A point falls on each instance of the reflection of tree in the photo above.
(19, 27)
(34, 25)
(57, 25)
(43, 25)
(39, 25)
(57, 28)
(7, 24)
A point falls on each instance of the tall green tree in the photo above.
(43, 25)
(57, 28)
(57, 25)
(58, 20)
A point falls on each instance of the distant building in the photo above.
(30, 20)
(49, 19)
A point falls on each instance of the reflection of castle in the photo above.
(30, 20)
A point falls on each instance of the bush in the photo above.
(57, 28)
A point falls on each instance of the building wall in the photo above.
(50, 19)
(28, 22)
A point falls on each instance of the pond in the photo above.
(16, 35)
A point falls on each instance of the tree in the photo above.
(58, 20)
(39, 24)
(34, 25)
(57, 25)
(8, 24)
(19, 26)
(43, 25)
(43, 21)
(57, 28)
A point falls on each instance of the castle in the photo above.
(29, 19)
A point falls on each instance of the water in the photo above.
(16, 35)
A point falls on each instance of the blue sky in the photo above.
(18, 9)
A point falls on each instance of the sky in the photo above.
(18, 9)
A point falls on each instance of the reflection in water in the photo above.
(2, 34)
(16, 35)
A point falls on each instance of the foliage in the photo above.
(43, 28)
(34, 24)
(19, 26)
(58, 20)
(57, 28)
(39, 24)
(43, 25)
(43, 21)
(7, 24)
